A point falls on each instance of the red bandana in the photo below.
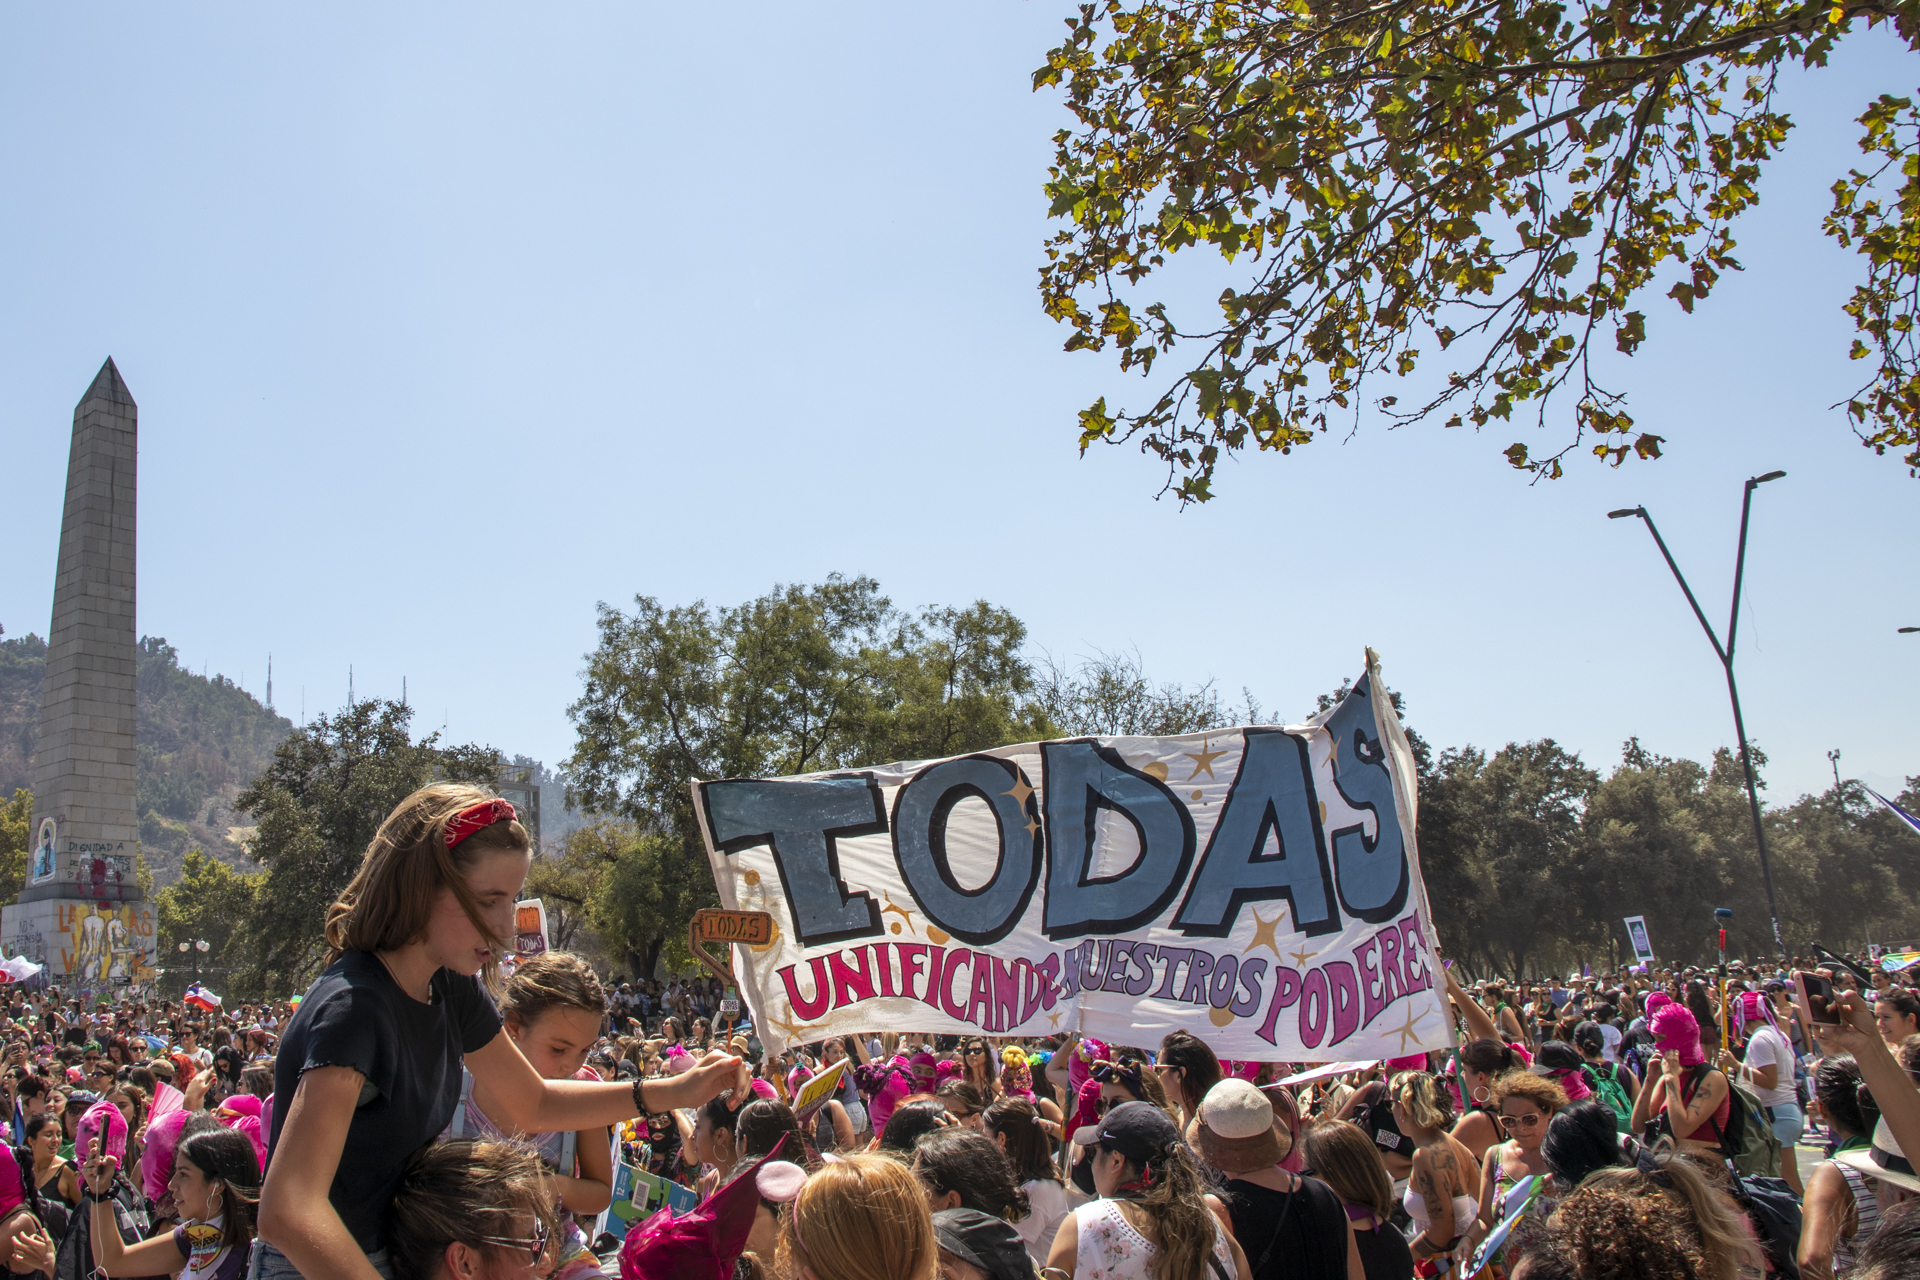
(484, 814)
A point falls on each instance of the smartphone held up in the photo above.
(1814, 995)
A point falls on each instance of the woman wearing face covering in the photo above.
(1690, 1096)
(1768, 1068)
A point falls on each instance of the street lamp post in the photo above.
(1725, 654)
(200, 946)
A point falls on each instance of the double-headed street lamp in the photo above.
(1725, 654)
(202, 946)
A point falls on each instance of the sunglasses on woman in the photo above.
(535, 1245)
(1527, 1121)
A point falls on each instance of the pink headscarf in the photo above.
(1656, 1002)
(156, 1158)
(101, 1114)
(241, 1113)
(1755, 1008)
(1674, 1028)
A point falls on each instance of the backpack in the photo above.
(1607, 1085)
(1774, 1211)
(1748, 1143)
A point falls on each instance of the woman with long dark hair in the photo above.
(215, 1185)
(1153, 1220)
(1188, 1068)
(1841, 1212)
(1016, 1126)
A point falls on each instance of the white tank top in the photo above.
(1111, 1249)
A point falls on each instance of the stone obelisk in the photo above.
(81, 912)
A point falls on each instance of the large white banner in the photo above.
(1258, 886)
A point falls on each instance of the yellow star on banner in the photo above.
(902, 911)
(1406, 1032)
(1333, 753)
(796, 1032)
(1202, 759)
(1053, 1019)
(1033, 824)
(1300, 958)
(1019, 791)
(1263, 932)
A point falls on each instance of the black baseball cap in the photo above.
(985, 1242)
(1137, 1130)
(1557, 1055)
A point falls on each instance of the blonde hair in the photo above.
(390, 898)
(1419, 1097)
(460, 1192)
(1714, 1221)
(861, 1218)
(552, 980)
(1342, 1156)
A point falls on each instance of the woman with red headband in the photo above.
(369, 1068)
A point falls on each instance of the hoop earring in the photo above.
(1482, 1094)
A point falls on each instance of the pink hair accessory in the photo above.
(780, 1180)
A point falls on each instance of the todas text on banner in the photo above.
(1258, 886)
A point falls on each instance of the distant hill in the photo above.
(201, 739)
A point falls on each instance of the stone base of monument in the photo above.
(86, 945)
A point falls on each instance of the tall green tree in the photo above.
(210, 903)
(16, 820)
(1498, 840)
(566, 879)
(1485, 194)
(1672, 840)
(802, 679)
(317, 806)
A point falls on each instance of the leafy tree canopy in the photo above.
(16, 819)
(1493, 185)
(210, 903)
(325, 793)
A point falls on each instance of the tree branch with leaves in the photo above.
(1504, 178)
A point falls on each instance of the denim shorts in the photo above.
(267, 1263)
(1788, 1123)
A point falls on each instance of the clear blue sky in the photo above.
(448, 321)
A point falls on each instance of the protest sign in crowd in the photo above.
(1058, 1011)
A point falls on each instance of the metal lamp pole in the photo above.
(1725, 654)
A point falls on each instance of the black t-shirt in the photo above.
(355, 1015)
(1300, 1234)
(1384, 1254)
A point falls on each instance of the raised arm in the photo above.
(112, 1255)
(536, 1105)
(1893, 1091)
(1478, 1023)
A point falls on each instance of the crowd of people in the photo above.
(424, 1112)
